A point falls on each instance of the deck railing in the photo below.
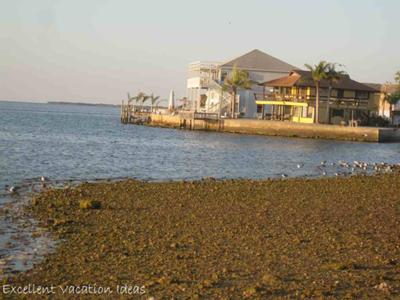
(310, 98)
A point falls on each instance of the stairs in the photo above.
(225, 102)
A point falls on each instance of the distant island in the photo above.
(81, 103)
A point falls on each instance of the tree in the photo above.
(223, 89)
(153, 100)
(397, 77)
(130, 99)
(392, 99)
(333, 76)
(318, 72)
(239, 79)
(144, 99)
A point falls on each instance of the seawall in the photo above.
(278, 128)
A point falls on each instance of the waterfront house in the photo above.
(292, 98)
(385, 110)
(205, 80)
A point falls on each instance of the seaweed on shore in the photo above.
(233, 239)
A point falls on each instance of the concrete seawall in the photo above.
(277, 128)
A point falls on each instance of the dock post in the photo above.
(122, 112)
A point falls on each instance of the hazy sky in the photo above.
(97, 50)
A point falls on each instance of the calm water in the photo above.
(65, 142)
(69, 142)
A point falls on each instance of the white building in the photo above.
(205, 80)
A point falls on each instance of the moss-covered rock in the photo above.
(89, 204)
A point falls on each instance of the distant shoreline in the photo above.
(82, 103)
(63, 103)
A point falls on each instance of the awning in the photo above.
(284, 103)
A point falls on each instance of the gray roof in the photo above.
(387, 87)
(258, 60)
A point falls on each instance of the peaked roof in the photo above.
(304, 79)
(258, 60)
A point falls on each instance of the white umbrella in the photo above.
(171, 102)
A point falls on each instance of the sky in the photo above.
(96, 51)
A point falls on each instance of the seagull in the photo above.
(323, 163)
(324, 173)
(299, 166)
(284, 175)
(13, 189)
(42, 179)
(336, 174)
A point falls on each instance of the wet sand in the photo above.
(310, 238)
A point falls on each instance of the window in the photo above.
(349, 94)
(259, 108)
(362, 95)
(337, 113)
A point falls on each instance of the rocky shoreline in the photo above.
(232, 239)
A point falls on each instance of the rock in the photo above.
(207, 283)
(89, 204)
(215, 277)
(383, 286)
(269, 279)
(164, 280)
(250, 292)
(334, 267)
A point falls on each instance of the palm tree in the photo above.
(153, 100)
(130, 99)
(139, 97)
(223, 89)
(392, 99)
(318, 72)
(333, 76)
(144, 99)
(239, 79)
(397, 77)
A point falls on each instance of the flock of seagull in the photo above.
(343, 168)
(346, 169)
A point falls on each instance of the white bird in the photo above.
(324, 173)
(284, 175)
(13, 189)
(299, 166)
(323, 163)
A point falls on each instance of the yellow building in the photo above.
(292, 98)
(389, 112)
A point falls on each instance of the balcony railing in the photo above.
(309, 98)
